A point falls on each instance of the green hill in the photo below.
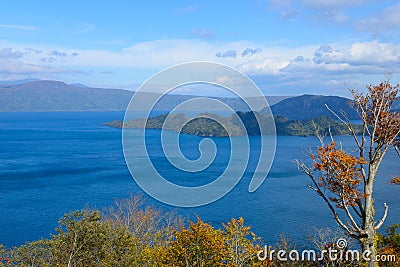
(208, 126)
(313, 106)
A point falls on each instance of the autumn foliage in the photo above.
(131, 234)
(396, 180)
(340, 174)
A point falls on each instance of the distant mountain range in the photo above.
(14, 82)
(59, 96)
(34, 95)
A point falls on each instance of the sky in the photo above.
(287, 47)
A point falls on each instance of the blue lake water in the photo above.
(52, 163)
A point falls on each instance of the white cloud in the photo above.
(248, 52)
(265, 66)
(8, 53)
(19, 67)
(229, 53)
(360, 57)
(374, 52)
(333, 62)
(360, 53)
(326, 54)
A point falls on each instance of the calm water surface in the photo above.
(52, 163)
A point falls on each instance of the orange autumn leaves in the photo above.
(340, 174)
(395, 180)
(200, 244)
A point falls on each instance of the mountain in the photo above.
(312, 106)
(79, 85)
(208, 125)
(15, 82)
(40, 95)
(58, 96)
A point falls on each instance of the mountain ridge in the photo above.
(48, 96)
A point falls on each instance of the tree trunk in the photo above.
(368, 243)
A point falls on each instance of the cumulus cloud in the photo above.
(58, 53)
(333, 61)
(299, 59)
(9, 53)
(33, 50)
(248, 52)
(48, 59)
(360, 53)
(265, 66)
(24, 68)
(371, 57)
(227, 54)
(30, 61)
(326, 54)
(375, 52)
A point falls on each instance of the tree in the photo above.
(241, 244)
(83, 239)
(149, 228)
(5, 257)
(389, 244)
(198, 245)
(79, 240)
(325, 239)
(37, 253)
(345, 181)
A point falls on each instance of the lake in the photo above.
(52, 163)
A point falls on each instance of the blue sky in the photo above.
(286, 47)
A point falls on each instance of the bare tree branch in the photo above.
(353, 222)
(317, 189)
(346, 123)
(380, 223)
(397, 148)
